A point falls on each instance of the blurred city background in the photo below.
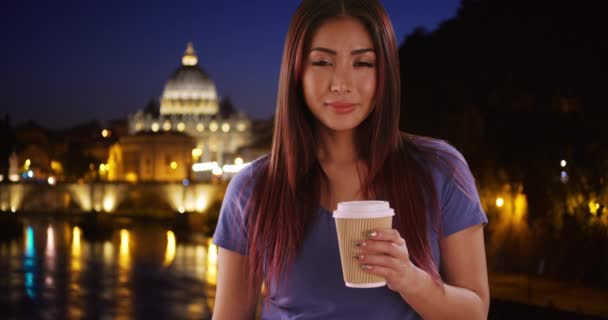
(121, 126)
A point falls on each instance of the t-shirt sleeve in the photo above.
(231, 232)
(460, 205)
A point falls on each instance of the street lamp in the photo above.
(500, 202)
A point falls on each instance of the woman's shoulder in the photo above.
(437, 152)
(250, 170)
(455, 185)
(446, 163)
(246, 177)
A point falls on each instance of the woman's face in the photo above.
(339, 74)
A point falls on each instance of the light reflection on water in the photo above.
(55, 270)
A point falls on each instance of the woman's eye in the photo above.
(321, 63)
(364, 64)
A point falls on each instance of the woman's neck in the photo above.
(344, 171)
(337, 147)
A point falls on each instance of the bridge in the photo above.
(111, 197)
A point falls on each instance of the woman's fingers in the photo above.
(386, 235)
(382, 247)
(379, 260)
(386, 241)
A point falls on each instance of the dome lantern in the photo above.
(190, 58)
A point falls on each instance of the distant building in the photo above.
(148, 156)
(190, 105)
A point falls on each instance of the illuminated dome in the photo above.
(189, 91)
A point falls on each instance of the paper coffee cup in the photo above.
(354, 221)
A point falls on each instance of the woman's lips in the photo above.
(341, 107)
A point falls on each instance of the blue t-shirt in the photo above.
(315, 288)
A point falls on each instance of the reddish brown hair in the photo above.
(286, 191)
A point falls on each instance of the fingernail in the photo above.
(365, 266)
(372, 234)
(359, 257)
(361, 244)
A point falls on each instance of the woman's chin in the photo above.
(340, 124)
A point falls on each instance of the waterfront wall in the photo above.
(148, 198)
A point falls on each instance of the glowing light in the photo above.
(29, 284)
(213, 126)
(233, 168)
(181, 126)
(51, 181)
(167, 126)
(139, 126)
(217, 171)
(102, 167)
(1, 177)
(155, 127)
(124, 243)
(521, 208)
(124, 258)
(56, 167)
(30, 251)
(206, 166)
(108, 250)
(197, 153)
(17, 193)
(563, 163)
(190, 58)
(76, 241)
(500, 202)
(594, 207)
(241, 126)
(105, 133)
(30, 174)
(50, 241)
(194, 198)
(211, 276)
(170, 252)
(564, 177)
(173, 165)
(108, 204)
(238, 161)
(226, 127)
(82, 195)
(201, 204)
(131, 177)
(200, 127)
(27, 164)
(29, 262)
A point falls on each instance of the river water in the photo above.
(66, 268)
(58, 269)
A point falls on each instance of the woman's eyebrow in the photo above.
(333, 52)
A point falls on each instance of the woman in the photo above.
(337, 139)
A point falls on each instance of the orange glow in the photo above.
(500, 202)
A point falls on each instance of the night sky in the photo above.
(66, 62)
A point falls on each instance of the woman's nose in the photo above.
(340, 82)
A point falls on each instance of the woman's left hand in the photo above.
(385, 253)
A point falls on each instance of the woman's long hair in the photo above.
(286, 191)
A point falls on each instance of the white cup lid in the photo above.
(363, 209)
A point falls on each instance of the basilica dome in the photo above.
(189, 90)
